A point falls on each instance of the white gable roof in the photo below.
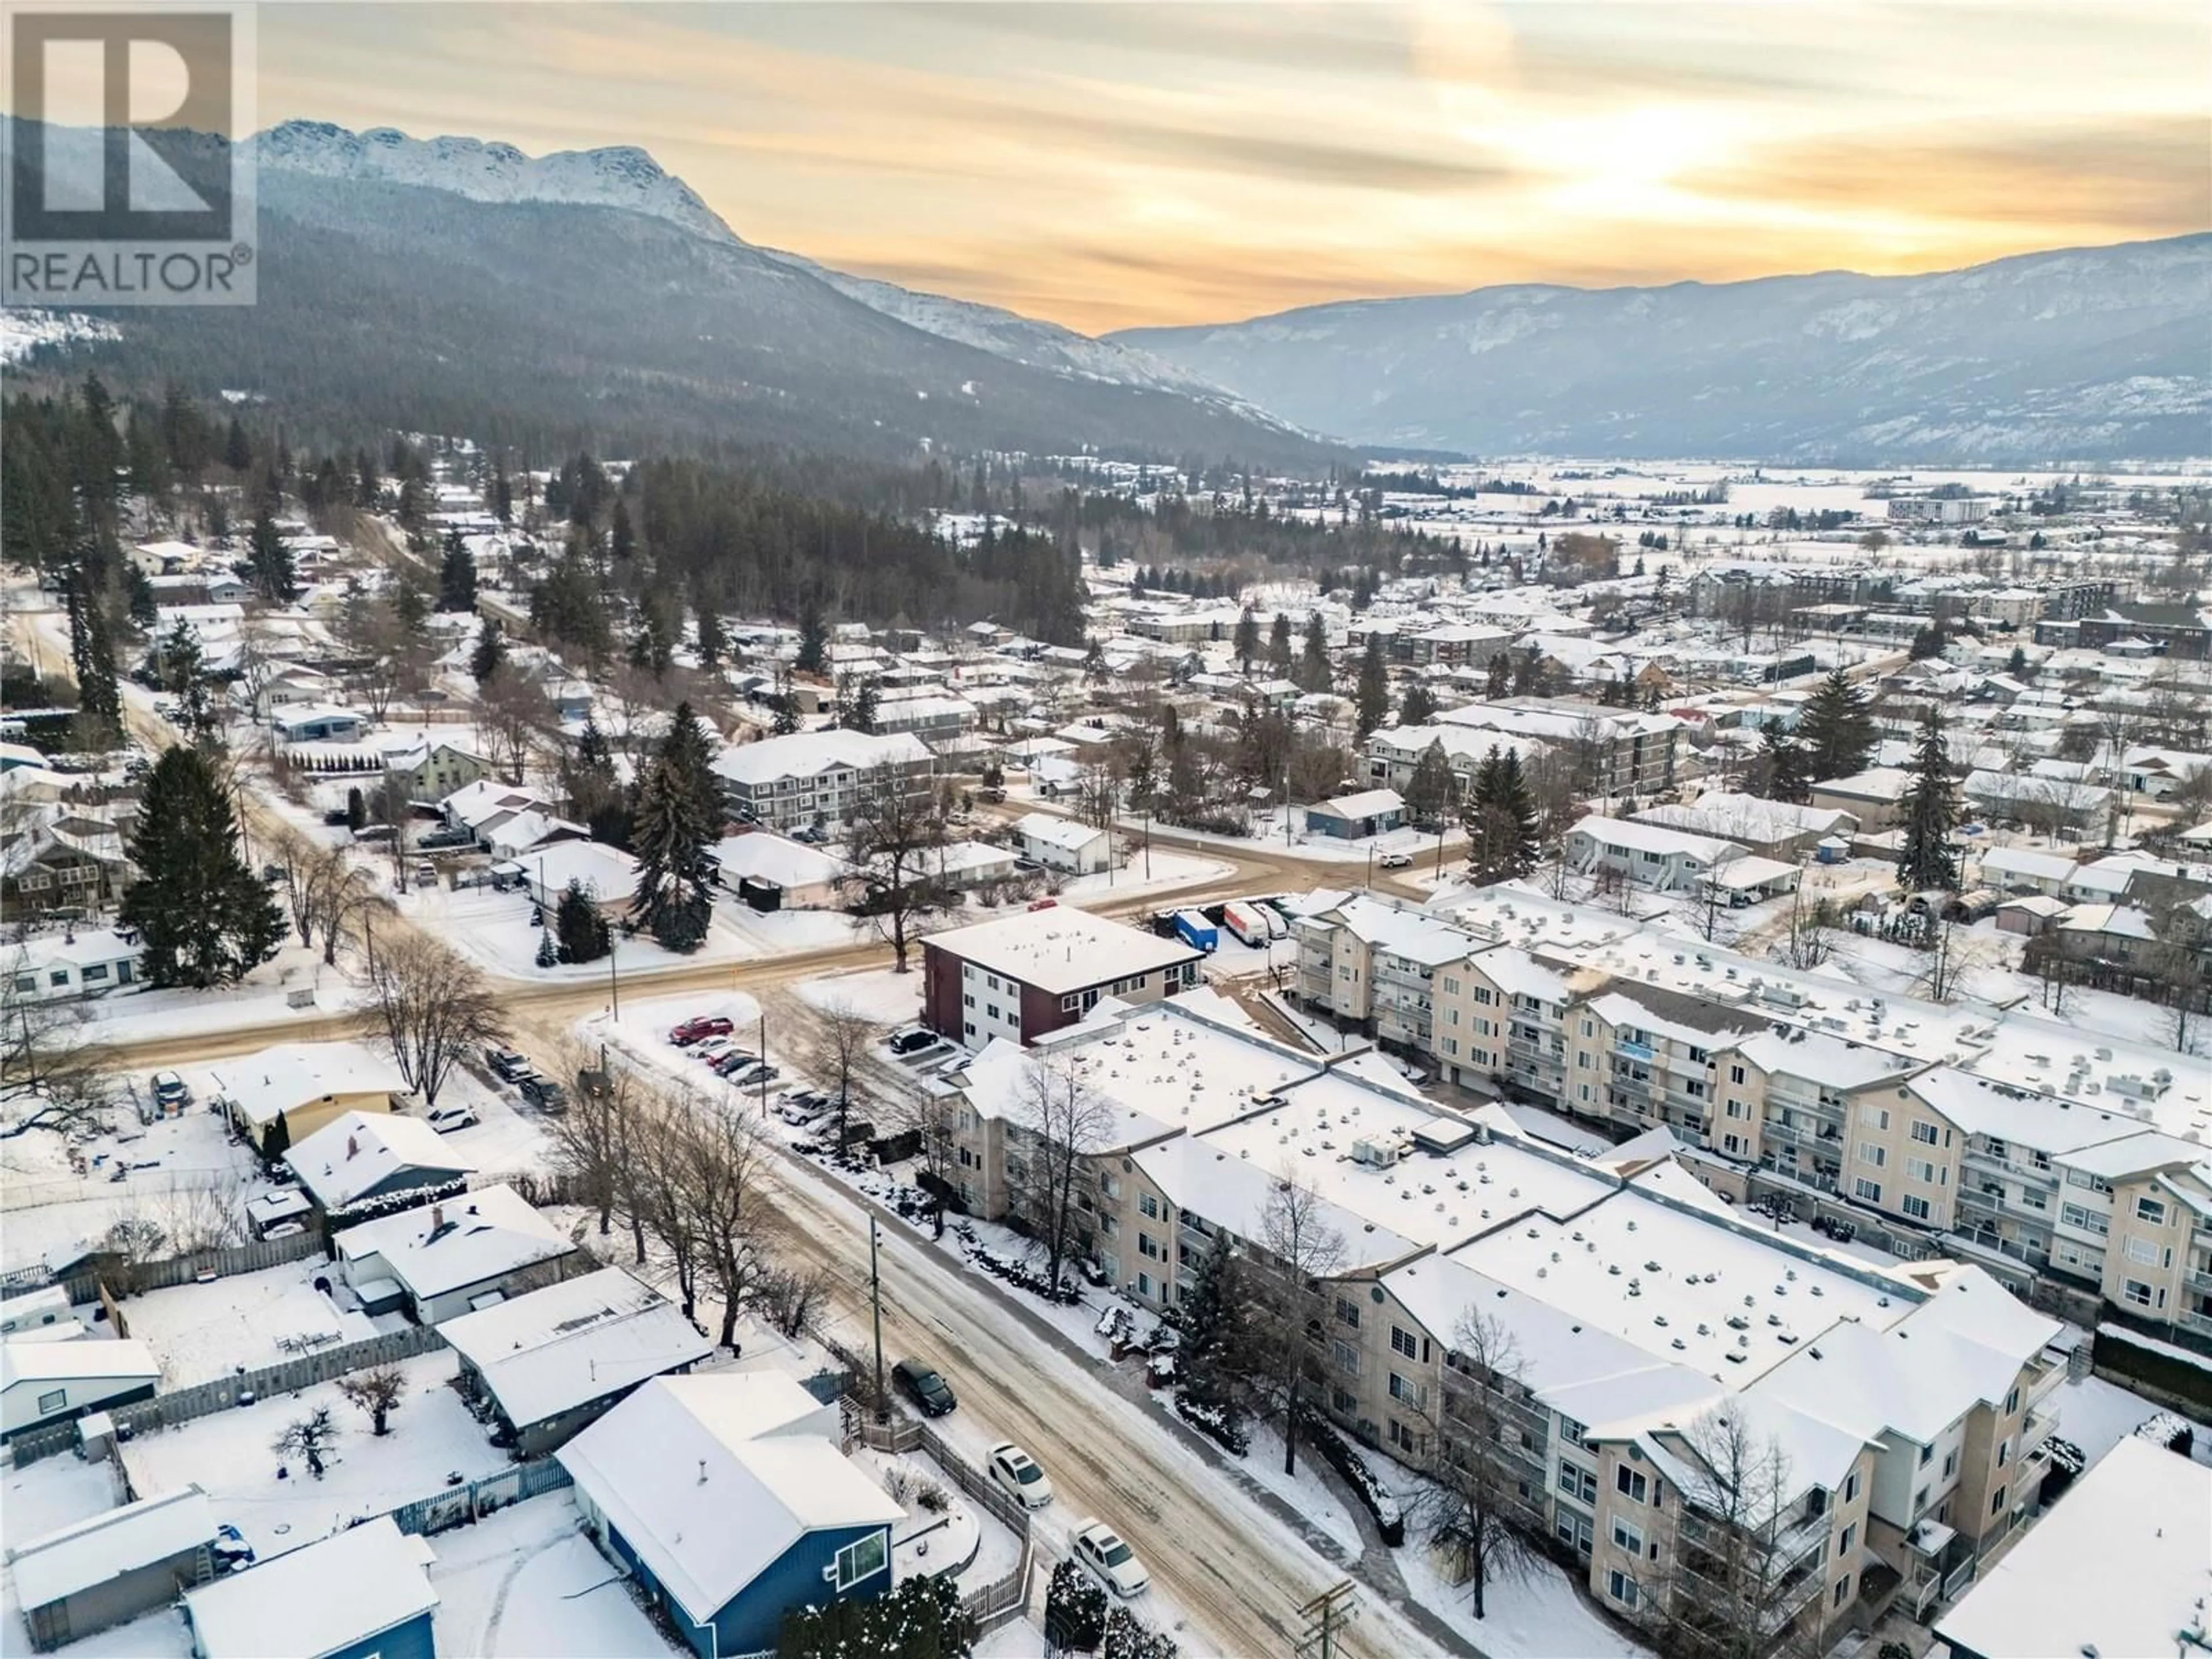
(324, 1596)
(578, 1341)
(451, 1243)
(111, 1543)
(350, 1155)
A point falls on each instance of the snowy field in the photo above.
(879, 995)
(526, 1583)
(232, 1454)
(202, 1332)
(264, 998)
(494, 927)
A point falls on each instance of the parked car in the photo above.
(753, 1075)
(698, 1029)
(924, 1387)
(732, 1059)
(1393, 860)
(170, 1092)
(508, 1066)
(545, 1097)
(992, 794)
(446, 1119)
(1100, 1548)
(913, 1041)
(1019, 1476)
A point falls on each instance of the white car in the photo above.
(1394, 860)
(446, 1119)
(1019, 1476)
(1100, 1548)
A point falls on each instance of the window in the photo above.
(1870, 1153)
(1347, 1357)
(1068, 1005)
(1622, 1588)
(1868, 1190)
(1401, 1342)
(1405, 1393)
(864, 1557)
(1920, 1170)
(1148, 1206)
(1735, 1074)
(1347, 1313)
(1629, 1483)
(1916, 1207)
(2012, 1400)
(2004, 1451)
(1924, 1132)
(1400, 1436)
(1572, 1432)
(95, 971)
(1574, 1531)
(1950, 1463)
(1997, 1501)
(1850, 1536)
(1843, 1589)
(2150, 1210)
(1579, 1484)
(1148, 1249)
(2143, 1252)
(1625, 1537)
(2135, 1291)
(52, 1402)
(1851, 1486)
(1920, 1500)
(2089, 1221)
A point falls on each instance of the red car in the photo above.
(698, 1031)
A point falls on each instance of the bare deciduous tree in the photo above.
(1060, 1121)
(1300, 1248)
(310, 1438)
(52, 1075)
(835, 1050)
(378, 1392)
(435, 1006)
(894, 840)
(512, 713)
(1473, 1511)
(590, 1138)
(727, 1183)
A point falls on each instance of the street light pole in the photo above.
(875, 1301)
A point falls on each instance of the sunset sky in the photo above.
(1110, 165)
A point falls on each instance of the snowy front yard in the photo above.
(526, 1583)
(494, 927)
(232, 1454)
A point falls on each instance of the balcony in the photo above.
(2200, 1280)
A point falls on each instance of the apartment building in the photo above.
(1615, 754)
(1394, 752)
(1646, 855)
(1373, 963)
(817, 777)
(1027, 975)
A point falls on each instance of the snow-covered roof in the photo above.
(1067, 834)
(1751, 870)
(350, 1154)
(762, 856)
(710, 1479)
(1062, 949)
(606, 873)
(2117, 1565)
(452, 1243)
(579, 1340)
(1728, 815)
(808, 754)
(22, 1361)
(2026, 861)
(334, 1593)
(110, 1544)
(1366, 804)
(274, 1081)
(1636, 837)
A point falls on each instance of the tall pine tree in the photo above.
(457, 575)
(273, 576)
(1248, 639)
(1313, 673)
(1835, 729)
(1501, 819)
(92, 658)
(490, 651)
(205, 919)
(1926, 858)
(1374, 686)
(679, 817)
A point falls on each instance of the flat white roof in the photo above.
(808, 754)
(2120, 1564)
(22, 1361)
(268, 1084)
(109, 1544)
(1064, 833)
(1061, 950)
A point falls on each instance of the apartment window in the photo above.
(1872, 1154)
(1148, 1206)
(1622, 1588)
(1347, 1313)
(2004, 1451)
(2074, 1215)
(1629, 1483)
(1917, 1208)
(2012, 1400)
(1625, 1537)
(1850, 1536)
(1341, 1401)
(1843, 1589)
(1920, 1500)
(1407, 1393)
(53, 1401)
(1868, 1190)
(2141, 1252)
(1347, 1357)
(1148, 1249)
(1924, 1132)
(1997, 1501)
(864, 1557)
(1400, 1436)
(2150, 1210)
(1735, 1107)
(968, 1000)
(991, 1010)
(1401, 1342)
(1736, 1075)
(992, 981)
(1920, 1170)
(1927, 1452)
(1579, 1484)
(1851, 1486)
(2135, 1291)
(1482, 995)
(1451, 985)
(1574, 1531)
(1950, 1463)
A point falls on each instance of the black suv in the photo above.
(924, 1387)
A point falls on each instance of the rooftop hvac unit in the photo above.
(1376, 1154)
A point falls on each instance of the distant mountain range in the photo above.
(454, 285)
(451, 285)
(2080, 353)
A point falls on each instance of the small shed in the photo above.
(361, 1594)
(108, 1569)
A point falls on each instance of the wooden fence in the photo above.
(458, 1506)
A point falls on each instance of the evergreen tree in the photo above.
(813, 644)
(409, 607)
(1501, 819)
(864, 707)
(92, 659)
(680, 814)
(1835, 730)
(205, 919)
(2016, 664)
(1926, 858)
(1781, 765)
(237, 451)
(1218, 1334)
(549, 950)
(595, 794)
(1497, 676)
(1278, 643)
(356, 809)
(785, 708)
(710, 641)
(273, 577)
(582, 930)
(490, 653)
(1374, 686)
(1247, 639)
(138, 597)
(1313, 673)
(1418, 706)
(183, 671)
(651, 648)
(502, 499)
(457, 575)
(1430, 790)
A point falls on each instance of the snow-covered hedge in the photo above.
(1382, 1503)
(1213, 1421)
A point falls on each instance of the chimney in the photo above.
(437, 1216)
(702, 1471)
(353, 1147)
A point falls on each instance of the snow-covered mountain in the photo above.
(628, 178)
(2075, 354)
(621, 177)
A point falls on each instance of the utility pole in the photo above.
(1326, 1618)
(876, 1303)
(614, 983)
(763, 1078)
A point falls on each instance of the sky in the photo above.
(1110, 166)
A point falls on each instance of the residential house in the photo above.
(1645, 855)
(553, 1360)
(1356, 816)
(455, 1255)
(281, 1095)
(318, 723)
(1064, 844)
(362, 1163)
(727, 1498)
(54, 967)
(607, 874)
(773, 873)
(810, 777)
(62, 856)
(360, 1594)
(428, 773)
(1768, 829)
(46, 1383)
(1875, 797)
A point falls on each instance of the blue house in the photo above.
(362, 1594)
(1352, 817)
(728, 1498)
